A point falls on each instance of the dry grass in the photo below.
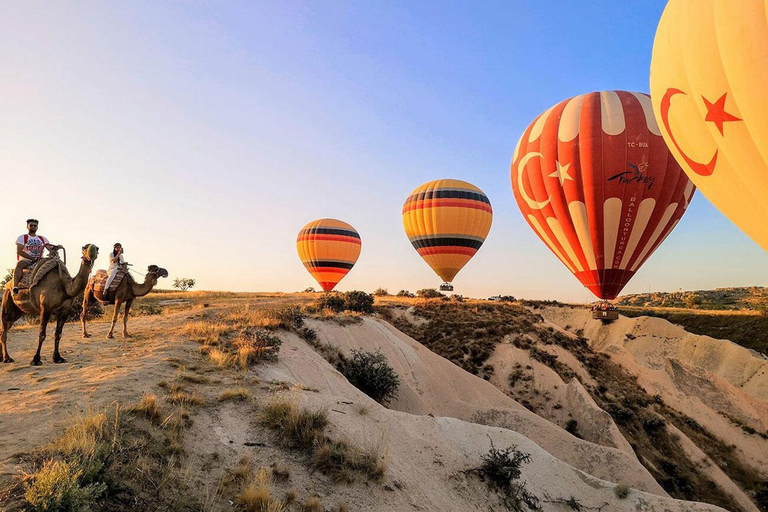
(237, 394)
(305, 430)
(221, 358)
(256, 495)
(191, 377)
(205, 332)
(148, 407)
(185, 399)
(104, 459)
(312, 504)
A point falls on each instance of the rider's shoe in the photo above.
(15, 290)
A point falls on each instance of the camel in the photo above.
(126, 293)
(53, 295)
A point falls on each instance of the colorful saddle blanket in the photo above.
(100, 282)
(31, 277)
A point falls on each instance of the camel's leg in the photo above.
(45, 316)
(87, 301)
(9, 315)
(110, 334)
(125, 318)
(60, 320)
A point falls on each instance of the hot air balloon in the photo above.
(328, 248)
(447, 221)
(709, 76)
(595, 181)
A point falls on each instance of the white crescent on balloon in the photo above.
(532, 203)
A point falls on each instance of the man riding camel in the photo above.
(29, 250)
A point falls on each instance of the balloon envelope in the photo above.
(709, 77)
(446, 222)
(328, 248)
(595, 181)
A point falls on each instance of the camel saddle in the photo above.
(31, 277)
(100, 282)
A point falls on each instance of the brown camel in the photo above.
(55, 295)
(126, 292)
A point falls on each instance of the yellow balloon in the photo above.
(709, 86)
(446, 222)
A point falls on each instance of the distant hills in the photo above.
(752, 298)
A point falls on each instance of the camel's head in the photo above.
(90, 253)
(157, 271)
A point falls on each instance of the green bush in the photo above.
(95, 311)
(405, 293)
(358, 301)
(331, 301)
(58, 487)
(371, 373)
(621, 491)
(380, 292)
(429, 293)
(501, 470)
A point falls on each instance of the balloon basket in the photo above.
(446, 287)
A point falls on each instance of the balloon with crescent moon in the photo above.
(328, 248)
(709, 77)
(595, 181)
(447, 221)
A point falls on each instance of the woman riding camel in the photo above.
(116, 260)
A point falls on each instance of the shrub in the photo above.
(96, 310)
(380, 292)
(58, 487)
(371, 373)
(405, 293)
(572, 427)
(358, 301)
(429, 293)
(331, 301)
(257, 345)
(621, 491)
(501, 470)
(543, 356)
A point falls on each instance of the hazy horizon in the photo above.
(203, 136)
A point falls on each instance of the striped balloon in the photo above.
(447, 221)
(328, 248)
(596, 182)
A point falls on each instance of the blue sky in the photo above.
(204, 135)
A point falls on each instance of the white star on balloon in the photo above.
(561, 173)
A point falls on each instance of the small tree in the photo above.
(357, 300)
(429, 293)
(405, 293)
(8, 277)
(311, 289)
(183, 283)
(380, 292)
(371, 373)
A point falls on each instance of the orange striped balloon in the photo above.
(446, 222)
(328, 248)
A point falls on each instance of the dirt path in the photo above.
(36, 401)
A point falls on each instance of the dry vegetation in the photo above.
(467, 334)
(110, 460)
(304, 430)
(134, 457)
